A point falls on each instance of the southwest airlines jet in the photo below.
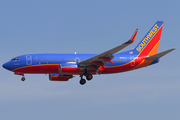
(62, 67)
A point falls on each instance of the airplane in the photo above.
(62, 67)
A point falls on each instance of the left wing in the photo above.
(103, 58)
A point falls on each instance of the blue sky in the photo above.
(89, 26)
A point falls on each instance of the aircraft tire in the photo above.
(82, 81)
(23, 78)
(89, 77)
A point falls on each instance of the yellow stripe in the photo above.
(153, 48)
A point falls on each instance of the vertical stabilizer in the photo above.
(150, 43)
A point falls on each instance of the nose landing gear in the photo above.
(20, 73)
(23, 78)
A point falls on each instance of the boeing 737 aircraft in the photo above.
(62, 67)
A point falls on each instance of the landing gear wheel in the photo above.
(82, 81)
(89, 77)
(23, 78)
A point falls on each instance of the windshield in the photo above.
(15, 59)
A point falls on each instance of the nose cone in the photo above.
(6, 66)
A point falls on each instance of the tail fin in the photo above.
(150, 43)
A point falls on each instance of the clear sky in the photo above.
(89, 26)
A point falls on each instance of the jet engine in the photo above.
(59, 77)
(69, 68)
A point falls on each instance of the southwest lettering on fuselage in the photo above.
(147, 38)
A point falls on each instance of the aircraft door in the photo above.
(133, 62)
(28, 60)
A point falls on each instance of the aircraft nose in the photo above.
(6, 66)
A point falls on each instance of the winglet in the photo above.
(159, 55)
(131, 40)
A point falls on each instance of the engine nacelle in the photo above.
(59, 77)
(69, 68)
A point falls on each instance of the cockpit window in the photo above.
(15, 59)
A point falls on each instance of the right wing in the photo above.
(103, 58)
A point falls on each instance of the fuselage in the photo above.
(51, 63)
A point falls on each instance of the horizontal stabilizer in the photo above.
(159, 55)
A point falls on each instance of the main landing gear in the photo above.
(83, 81)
